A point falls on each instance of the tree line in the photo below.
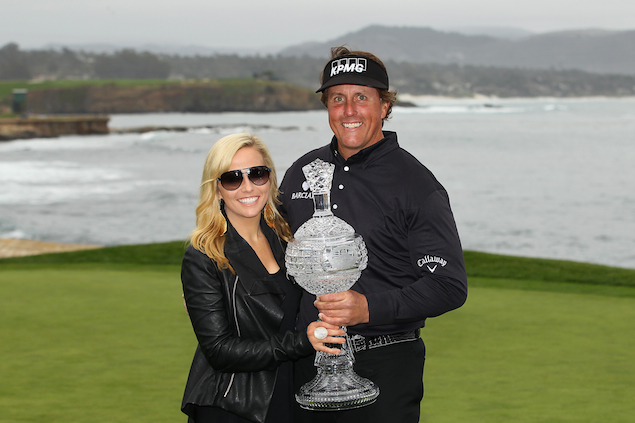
(417, 79)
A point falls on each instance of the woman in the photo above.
(241, 304)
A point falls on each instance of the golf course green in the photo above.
(102, 336)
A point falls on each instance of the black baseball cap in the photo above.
(352, 69)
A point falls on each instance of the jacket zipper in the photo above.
(231, 380)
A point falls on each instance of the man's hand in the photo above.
(347, 308)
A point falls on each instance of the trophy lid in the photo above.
(319, 175)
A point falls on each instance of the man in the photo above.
(415, 261)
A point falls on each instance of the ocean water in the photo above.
(539, 178)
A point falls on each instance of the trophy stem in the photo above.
(336, 385)
(322, 204)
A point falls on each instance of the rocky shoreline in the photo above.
(51, 126)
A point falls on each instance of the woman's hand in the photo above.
(184, 304)
(334, 335)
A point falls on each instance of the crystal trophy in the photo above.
(327, 256)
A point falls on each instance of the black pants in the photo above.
(398, 372)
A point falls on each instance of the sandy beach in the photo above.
(23, 247)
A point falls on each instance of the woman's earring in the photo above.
(222, 216)
(270, 215)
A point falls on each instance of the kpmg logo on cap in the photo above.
(348, 64)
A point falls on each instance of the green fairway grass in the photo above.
(532, 356)
(101, 336)
(6, 87)
(93, 345)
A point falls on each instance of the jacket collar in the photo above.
(237, 250)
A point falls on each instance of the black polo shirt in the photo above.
(415, 261)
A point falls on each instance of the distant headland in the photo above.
(54, 109)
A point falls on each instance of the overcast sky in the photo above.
(260, 23)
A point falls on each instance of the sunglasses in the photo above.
(258, 175)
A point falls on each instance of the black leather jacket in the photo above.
(236, 320)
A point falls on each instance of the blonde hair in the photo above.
(208, 237)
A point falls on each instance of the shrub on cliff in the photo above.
(130, 64)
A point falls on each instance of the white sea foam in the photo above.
(91, 143)
(55, 172)
(481, 105)
(42, 182)
(14, 234)
(459, 109)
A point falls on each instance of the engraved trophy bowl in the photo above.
(327, 256)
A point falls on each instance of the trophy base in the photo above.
(333, 390)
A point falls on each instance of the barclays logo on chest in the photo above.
(304, 194)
